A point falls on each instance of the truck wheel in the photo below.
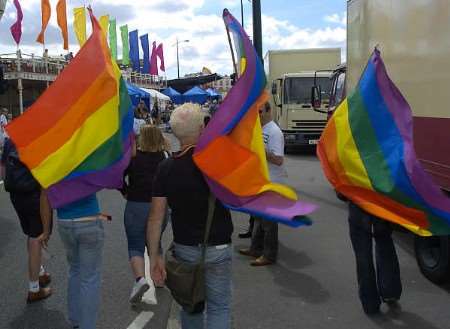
(433, 257)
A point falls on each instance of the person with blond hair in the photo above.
(138, 192)
(180, 184)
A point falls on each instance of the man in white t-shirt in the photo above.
(3, 123)
(264, 246)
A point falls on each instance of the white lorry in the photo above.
(290, 75)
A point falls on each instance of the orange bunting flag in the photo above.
(61, 12)
(46, 13)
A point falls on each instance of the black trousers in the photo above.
(384, 283)
(265, 239)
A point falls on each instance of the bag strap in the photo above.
(211, 209)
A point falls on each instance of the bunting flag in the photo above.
(61, 13)
(79, 24)
(134, 50)
(146, 51)
(367, 154)
(113, 38)
(76, 138)
(154, 61)
(160, 54)
(16, 28)
(104, 23)
(125, 45)
(46, 12)
(231, 149)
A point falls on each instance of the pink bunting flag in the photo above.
(160, 54)
(16, 28)
(154, 60)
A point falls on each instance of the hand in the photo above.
(43, 239)
(158, 270)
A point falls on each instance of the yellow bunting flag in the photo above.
(79, 24)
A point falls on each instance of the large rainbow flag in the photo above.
(76, 139)
(367, 154)
(231, 153)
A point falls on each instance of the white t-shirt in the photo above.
(3, 123)
(137, 124)
(274, 142)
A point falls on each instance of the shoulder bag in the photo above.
(186, 281)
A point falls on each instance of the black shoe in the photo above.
(371, 310)
(245, 235)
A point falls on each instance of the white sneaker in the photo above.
(139, 289)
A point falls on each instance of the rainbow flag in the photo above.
(76, 138)
(230, 152)
(367, 154)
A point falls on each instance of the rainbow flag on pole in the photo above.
(230, 152)
(367, 154)
(76, 139)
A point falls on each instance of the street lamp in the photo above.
(178, 55)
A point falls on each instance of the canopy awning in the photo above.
(156, 94)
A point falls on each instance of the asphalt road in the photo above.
(312, 286)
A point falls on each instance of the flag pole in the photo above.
(232, 52)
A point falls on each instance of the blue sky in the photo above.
(286, 24)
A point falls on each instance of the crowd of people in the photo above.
(161, 187)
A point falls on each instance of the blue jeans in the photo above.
(135, 220)
(84, 245)
(384, 282)
(218, 286)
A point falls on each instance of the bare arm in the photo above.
(275, 159)
(157, 213)
(46, 217)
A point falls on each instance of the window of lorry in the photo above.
(338, 90)
(298, 90)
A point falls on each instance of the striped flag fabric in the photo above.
(367, 154)
(76, 138)
(231, 148)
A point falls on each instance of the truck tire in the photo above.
(433, 257)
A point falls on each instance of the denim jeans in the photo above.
(135, 220)
(84, 245)
(218, 278)
(265, 239)
(385, 283)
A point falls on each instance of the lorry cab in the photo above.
(301, 125)
(338, 90)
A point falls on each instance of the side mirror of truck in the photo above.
(275, 94)
(316, 97)
(274, 88)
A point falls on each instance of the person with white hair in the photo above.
(180, 184)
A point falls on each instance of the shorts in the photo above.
(27, 206)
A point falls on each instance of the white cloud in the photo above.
(165, 23)
(336, 18)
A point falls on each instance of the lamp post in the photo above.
(178, 55)
(257, 34)
(242, 14)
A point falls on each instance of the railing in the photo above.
(31, 67)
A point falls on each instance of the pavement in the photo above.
(313, 285)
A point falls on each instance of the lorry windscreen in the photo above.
(298, 90)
